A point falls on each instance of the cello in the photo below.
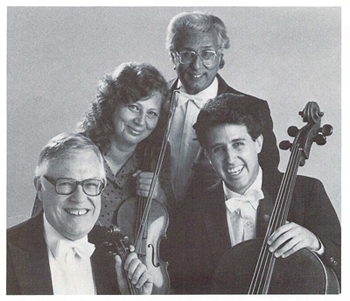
(258, 271)
(145, 220)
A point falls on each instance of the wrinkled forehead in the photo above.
(196, 39)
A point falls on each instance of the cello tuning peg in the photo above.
(301, 113)
(320, 114)
(327, 130)
(320, 140)
(302, 162)
(292, 131)
(285, 144)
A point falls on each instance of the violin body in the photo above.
(301, 273)
(155, 231)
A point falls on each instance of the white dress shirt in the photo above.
(242, 215)
(184, 149)
(71, 274)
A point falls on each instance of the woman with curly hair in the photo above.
(128, 113)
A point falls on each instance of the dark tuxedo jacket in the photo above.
(28, 269)
(269, 158)
(198, 233)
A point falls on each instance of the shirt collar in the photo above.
(52, 237)
(257, 185)
(204, 96)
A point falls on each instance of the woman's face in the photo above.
(134, 122)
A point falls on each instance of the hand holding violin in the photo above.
(137, 273)
(143, 185)
(290, 238)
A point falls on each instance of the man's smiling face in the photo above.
(73, 215)
(195, 76)
(234, 155)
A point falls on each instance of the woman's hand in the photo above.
(137, 273)
(143, 186)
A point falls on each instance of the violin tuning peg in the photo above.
(285, 144)
(292, 131)
(320, 140)
(327, 130)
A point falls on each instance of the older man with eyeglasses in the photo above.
(196, 42)
(60, 251)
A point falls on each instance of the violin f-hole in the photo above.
(156, 265)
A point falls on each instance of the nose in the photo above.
(230, 155)
(197, 63)
(140, 119)
(78, 195)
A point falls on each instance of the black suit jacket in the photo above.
(198, 233)
(28, 269)
(269, 158)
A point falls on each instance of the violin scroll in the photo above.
(117, 244)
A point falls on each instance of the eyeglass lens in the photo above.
(206, 56)
(91, 187)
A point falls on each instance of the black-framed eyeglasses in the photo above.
(65, 186)
(188, 56)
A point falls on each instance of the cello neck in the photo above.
(300, 151)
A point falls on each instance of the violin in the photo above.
(249, 267)
(145, 220)
(115, 243)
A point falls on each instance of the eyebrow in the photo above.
(232, 141)
(207, 47)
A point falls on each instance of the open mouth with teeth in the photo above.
(77, 212)
(235, 170)
(197, 75)
(134, 132)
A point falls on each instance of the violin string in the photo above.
(158, 166)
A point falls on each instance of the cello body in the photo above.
(301, 273)
(249, 267)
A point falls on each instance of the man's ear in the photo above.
(208, 157)
(38, 186)
(173, 58)
(259, 143)
(222, 61)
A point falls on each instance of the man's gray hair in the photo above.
(63, 144)
(196, 21)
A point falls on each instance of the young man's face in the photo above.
(234, 155)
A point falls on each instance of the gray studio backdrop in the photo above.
(56, 55)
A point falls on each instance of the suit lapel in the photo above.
(32, 262)
(270, 186)
(214, 213)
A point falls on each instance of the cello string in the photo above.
(265, 259)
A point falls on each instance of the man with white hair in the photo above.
(54, 252)
(196, 42)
